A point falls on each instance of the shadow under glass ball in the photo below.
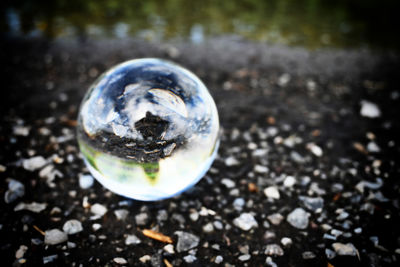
(148, 129)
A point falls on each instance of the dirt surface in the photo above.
(314, 130)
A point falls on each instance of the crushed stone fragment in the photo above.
(72, 227)
(98, 209)
(186, 241)
(190, 258)
(86, 181)
(121, 214)
(15, 190)
(54, 237)
(272, 192)
(369, 109)
(345, 249)
(245, 222)
(119, 260)
(298, 218)
(141, 219)
(34, 163)
(21, 251)
(274, 250)
(132, 240)
(34, 207)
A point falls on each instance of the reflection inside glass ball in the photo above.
(148, 129)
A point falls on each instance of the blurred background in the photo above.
(308, 23)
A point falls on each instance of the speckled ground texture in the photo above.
(307, 172)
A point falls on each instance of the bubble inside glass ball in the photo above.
(148, 129)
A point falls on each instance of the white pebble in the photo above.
(169, 248)
(298, 218)
(34, 207)
(369, 109)
(228, 183)
(96, 226)
(72, 227)
(245, 222)
(86, 181)
(231, 161)
(260, 169)
(98, 209)
(121, 214)
(132, 240)
(316, 150)
(34, 163)
(120, 260)
(286, 241)
(289, 181)
(54, 237)
(218, 259)
(272, 192)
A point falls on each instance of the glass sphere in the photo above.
(148, 129)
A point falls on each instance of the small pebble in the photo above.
(141, 219)
(145, 258)
(274, 250)
(260, 169)
(72, 227)
(275, 218)
(49, 259)
(345, 249)
(272, 192)
(289, 181)
(228, 183)
(96, 226)
(316, 150)
(270, 262)
(71, 245)
(231, 161)
(307, 255)
(218, 225)
(121, 214)
(34, 207)
(298, 218)
(3, 168)
(286, 241)
(132, 240)
(21, 251)
(314, 204)
(244, 257)
(15, 190)
(218, 259)
(86, 181)
(98, 209)
(330, 254)
(238, 203)
(369, 110)
(208, 228)
(186, 241)
(190, 258)
(120, 260)
(54, 237)
(34, 163)
(372, 147)
(169, 248)
(245, 222)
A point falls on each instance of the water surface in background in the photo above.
(307, 23)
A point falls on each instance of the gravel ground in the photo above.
(307, 171)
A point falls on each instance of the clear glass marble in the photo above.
(148, 129)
